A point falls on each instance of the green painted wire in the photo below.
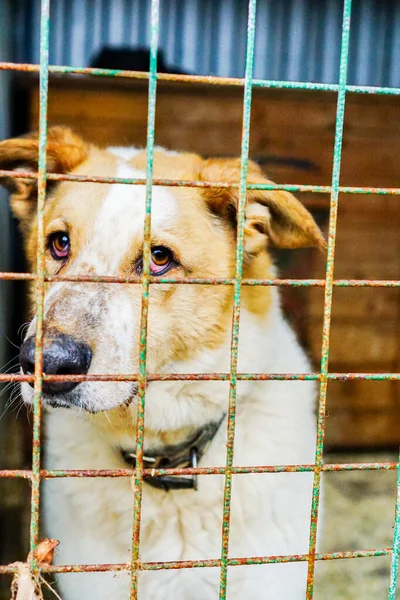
(328, 293)
(251, 27)
(138, 478)
(39, 288)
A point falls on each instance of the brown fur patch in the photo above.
(65, 151)
(286, 224)
(184, 166)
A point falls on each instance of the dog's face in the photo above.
(97, 229)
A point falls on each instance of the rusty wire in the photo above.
(142, 380)
(194, 183)
(207, 563)
(199, 79)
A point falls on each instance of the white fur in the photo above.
(168, 152)
(121, 217)
(124, 152)
(270, 513)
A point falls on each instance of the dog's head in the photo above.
(97, 229)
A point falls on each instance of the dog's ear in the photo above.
(272, 217)
(65, 151)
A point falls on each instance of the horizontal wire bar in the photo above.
(15, 377)
(201, 79)
(249, 470)
(363, 283)
(15, 474)
(206, 563)
(289, 187)
(17, 276)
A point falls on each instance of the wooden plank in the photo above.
(357, 305)
(364, 251)
(292, 132)
(346, 428)
(363, 396)
(356, 343)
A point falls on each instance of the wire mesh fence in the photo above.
(36, 474)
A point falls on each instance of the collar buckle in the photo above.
(184, 455)
(193, 464)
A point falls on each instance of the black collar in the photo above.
(183, 455)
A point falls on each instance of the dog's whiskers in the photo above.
(19, 400)
(13, 399)
(12, 366)
(12, 343)
(22, 329)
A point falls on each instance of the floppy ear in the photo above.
(65, 151)
(274, 217)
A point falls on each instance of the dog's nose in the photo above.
(62, 355)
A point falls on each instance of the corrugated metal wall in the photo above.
(296, 39)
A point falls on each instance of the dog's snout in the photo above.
(62, 355)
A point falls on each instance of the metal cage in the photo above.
(323, 376)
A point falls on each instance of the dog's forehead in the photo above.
(119, 220)
(92, 209)
(123, 206)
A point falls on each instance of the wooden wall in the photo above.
(292, 136)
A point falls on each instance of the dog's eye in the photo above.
(161, 260)
(58, 244)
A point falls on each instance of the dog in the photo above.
(96, 229)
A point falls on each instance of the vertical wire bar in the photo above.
(142, 378)
(39, 289)
(328, 294)
(396, 542)
(251, 27)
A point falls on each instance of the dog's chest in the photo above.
(93, 518)
(97, 512)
